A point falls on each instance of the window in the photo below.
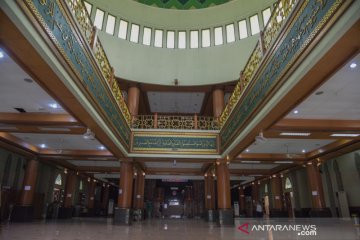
(266, 15)
(88, 7)
(243, 29)
(194, 39)
(147, 36)
(218, 36)
(170, 39)
(182, 40)
(134, 33)
(279, 17)
(99, 18)
(205, 38)
(230, 33)
(123, 29)
(58, 180)
(110, 24)
(254, 24)
(288, 184)
(158, 38)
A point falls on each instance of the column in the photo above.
(218, 102)
(139, 194)
(276, 196)
(188, 202)
(209, 197)
(91, 199)
(123, 213)
(24, 211)
(223, 194)
(133, 100)
(317, 193)
(254, 192)
(241, 200)
(67, 210)
(105, 198)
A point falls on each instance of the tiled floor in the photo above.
(101, 228)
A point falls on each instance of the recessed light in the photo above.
(353, 65)
(345, 135)
(247, 150)
(319, 93)
(54, 105)
(296, 111)
(251, 161)
(2, 55)
(283, 162)
(43, 145)
(295, 134)
(102, 148)
(303, 151)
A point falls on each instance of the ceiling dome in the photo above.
(182, 4)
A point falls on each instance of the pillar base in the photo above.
(22, 214)
(320, 212)
(65, 213)
(122, 216)
(226, 217)
(210, 215)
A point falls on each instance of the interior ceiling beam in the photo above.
(40, 119)
(321, 71)
(303, 125)
(27, 57)
(240, 172)
(45, 129)
(11, 139)
(75, 153)
(331, 148)
(178, 160)
(269, 157)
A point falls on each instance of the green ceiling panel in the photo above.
(182, 4)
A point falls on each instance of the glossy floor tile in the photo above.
(188, 229)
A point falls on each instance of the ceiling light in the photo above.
(284, 162)
(89, 134)
(247, 150)
(2, 55)
(102, 148)
(54, 105)
(65, 171)
(260, 138)
(251, 161)
(296, 111)
(295, 134)
(303, 151)
(28, 80)
(353, 65)
(43, 145)
(345, 135)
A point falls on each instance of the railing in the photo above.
(79, 11)
(175, 122)
(267, 36)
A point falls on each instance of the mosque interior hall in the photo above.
(181, 119)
